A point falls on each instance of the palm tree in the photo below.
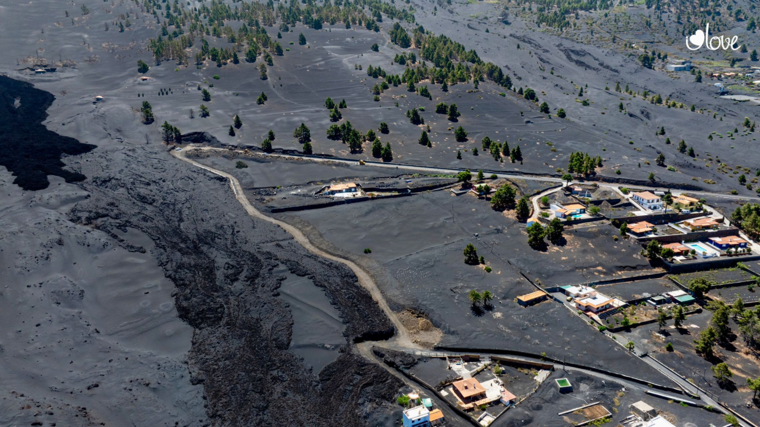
(475, 297)
(487, 297)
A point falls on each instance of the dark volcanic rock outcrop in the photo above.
(27, 148)
(222, 262)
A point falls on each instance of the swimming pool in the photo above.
(697, 247)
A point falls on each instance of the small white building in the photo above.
(416, 416)
(679, 66)
(643, 410)
(579, 291)
(595, 303)
(648, 200)
(348, 189)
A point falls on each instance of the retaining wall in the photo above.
(707, 264)
(688, 237)
(334, 203)
(570, 364)
(656, 218)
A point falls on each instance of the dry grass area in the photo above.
(420, 328)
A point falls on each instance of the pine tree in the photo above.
(237, 122)
(387, 153)
(424, 139)
(232, 131)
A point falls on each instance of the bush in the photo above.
(241, 165)
(493, 176)
(367, 251)
(403, 400)
(602, 328)
(216, 77)
(669, 347)
(488, 269)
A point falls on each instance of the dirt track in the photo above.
(402, 336)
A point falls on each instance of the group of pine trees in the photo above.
(451, 61)
(583, 164)
(181, 25)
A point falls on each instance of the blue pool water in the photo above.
(697, 247)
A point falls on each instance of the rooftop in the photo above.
(507, 395)
(531, 296)
(676, 247)
(730, 240)
(686, 199)
(574, 206)
(343, 186)
(641, 227)
(597, 300)
(436, 415)
(701, 222)
(647, 195)
(416, 413)
(469, 387)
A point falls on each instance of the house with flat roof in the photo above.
(346, 189)
(563, 211)
(642, 228)
(643, 410)
(685, 201)
(416, 417)
(469, 391)
(596, 303)
(531, 298)
(701, 224)
(579, 291)
(684, 65)
(648, 200)
(730, 242)
(579, 191)
(677, 248)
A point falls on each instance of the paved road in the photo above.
(438, 170)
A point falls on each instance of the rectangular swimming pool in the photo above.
(697, 247)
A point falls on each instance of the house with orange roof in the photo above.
(701, 224)
(677, 248)
(640, 228)
(730, 242)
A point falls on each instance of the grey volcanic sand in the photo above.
(317, 328)
(689, 364)
(273, 173)
(541, 408)
(91, 333)
(417, 245)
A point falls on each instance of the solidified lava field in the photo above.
(135, 289)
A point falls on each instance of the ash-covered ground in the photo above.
(137, 291)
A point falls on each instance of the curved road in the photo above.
(401, 341)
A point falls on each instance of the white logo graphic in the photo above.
(713, 43)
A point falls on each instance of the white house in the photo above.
(417, 416)
(348, 189)
(648, 200)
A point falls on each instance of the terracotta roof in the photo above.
(469, 387)
(676, 247)
(574, 206)
(641, 227)
(345, 186)
(702, 222)
(506, 395)
(436, 415)
(532, 296)
(730, 240)
(647, 195)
